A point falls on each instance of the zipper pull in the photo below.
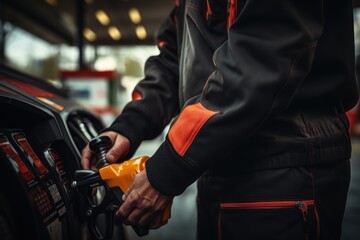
(302, 206)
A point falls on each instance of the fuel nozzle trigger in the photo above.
(85, 181)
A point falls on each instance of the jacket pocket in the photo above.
(295, 220)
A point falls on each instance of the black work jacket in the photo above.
(249, 84)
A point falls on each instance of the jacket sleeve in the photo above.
(268, 53)
(155, 98)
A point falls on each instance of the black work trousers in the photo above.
(299, 203)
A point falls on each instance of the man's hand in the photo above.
(143, 205)
(121, 146)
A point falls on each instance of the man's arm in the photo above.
(268, 54)
(155, 98)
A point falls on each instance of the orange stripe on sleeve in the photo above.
(232, 13)
(187, 126)
(136, 96)
(208, 11)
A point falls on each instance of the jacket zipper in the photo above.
(302, 205)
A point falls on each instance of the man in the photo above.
(260, 90)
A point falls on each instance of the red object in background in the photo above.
(91, 88)
(94, 89)
(88, 73)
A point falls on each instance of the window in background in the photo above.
(30, 54)
(129, 61)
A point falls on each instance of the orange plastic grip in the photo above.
(122, 175)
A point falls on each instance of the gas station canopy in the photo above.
(104, 22)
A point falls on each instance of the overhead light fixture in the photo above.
(89, 1)
(51, 2)
(141, 32)
(89, 34)
(114, 33)
(134, 15)
(102, 17)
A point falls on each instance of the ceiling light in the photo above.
(141, 32)
(134, 15)
(89, 34)
(114, 33)
(102, 17)
(51, 2)
(89, 1)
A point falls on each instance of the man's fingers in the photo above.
(156, 221)
(119, 149)
(135, 216)
(144, 211)
(132, 200)
(143, 205)
(146, 218)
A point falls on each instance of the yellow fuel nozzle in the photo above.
(122, 175)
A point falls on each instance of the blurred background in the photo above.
(95, 51)
(78, 44)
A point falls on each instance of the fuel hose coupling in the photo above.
(100, 146)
